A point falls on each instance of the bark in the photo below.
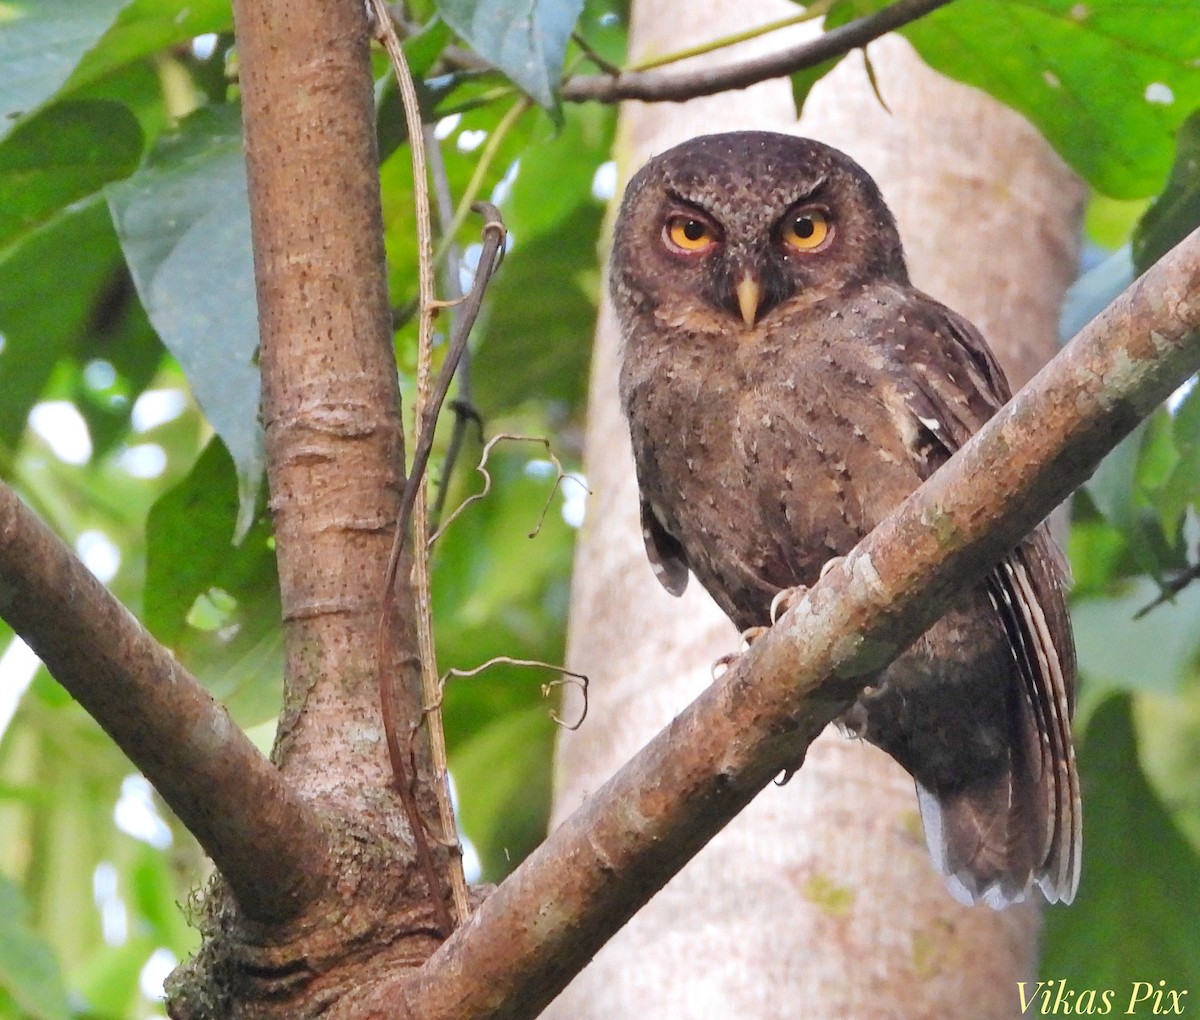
(831, 868)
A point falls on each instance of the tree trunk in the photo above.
(831, 868)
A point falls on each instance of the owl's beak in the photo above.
(749, 296)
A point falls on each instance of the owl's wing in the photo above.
(665, 552)
(956, 385)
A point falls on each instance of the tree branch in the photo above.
(593, 873)
(265, 839)
(675, 87)
(335, 449)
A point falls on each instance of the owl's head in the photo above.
(724, 229)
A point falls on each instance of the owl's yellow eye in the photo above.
(689, 234)
(805, 230)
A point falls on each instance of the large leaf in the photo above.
(1123, 487)
(1107, 81)
(48, 286)
(184, 223)
(149, 26)
(1176, 212)
(526, 39)
(63, 154)
(214, 602)
(1135, 917)
(41, 41)
(535, 340)
(1181, 489)
(1154, 652)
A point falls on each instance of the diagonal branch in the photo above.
(265, 840)
(593, 873)
(675, 87)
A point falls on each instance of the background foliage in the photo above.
(128, 419)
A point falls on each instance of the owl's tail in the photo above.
(997, 833)
(988, 844)
(978, 712)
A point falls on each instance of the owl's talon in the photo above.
(721, 665)
(752, 634)
(785, 599)
(828, 565)
(748, 637)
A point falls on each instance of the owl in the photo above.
(786, 387)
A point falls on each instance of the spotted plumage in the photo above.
(786, 387)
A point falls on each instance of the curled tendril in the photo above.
(561, 476)
(566, 677)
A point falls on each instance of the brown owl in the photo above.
(786, 387)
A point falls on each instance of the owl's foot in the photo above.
(789, 597)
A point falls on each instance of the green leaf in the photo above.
(49, 283)
(1108, 82)
(1095, 549)
(1168, 734)
(216, 603)
(1135, 916)
(1182, 490)
(526, 39)
(149, 26)
(542, 349)
(28, 970)
(802, 81)
(41, 41)
(1176, 212)
(184, 224)
(188, 536)
(64, 153)
(1155, 652)
(1123, 491)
